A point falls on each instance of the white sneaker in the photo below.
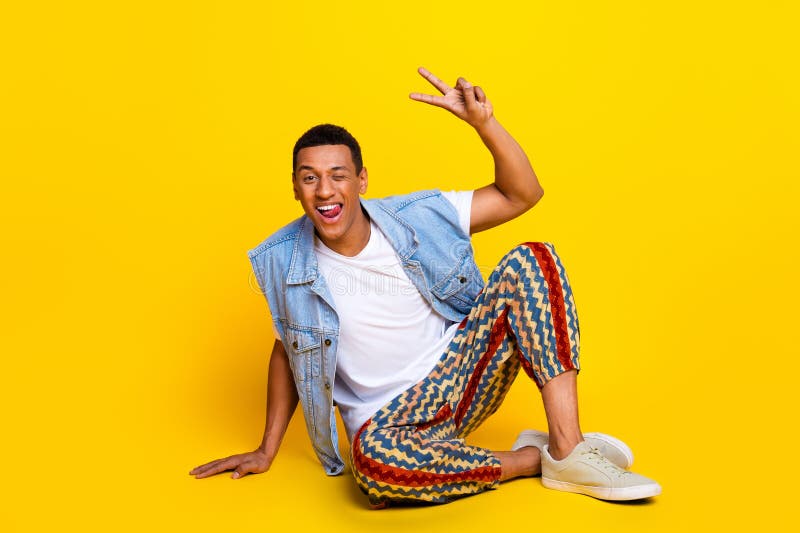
(586, 471)
(612, 448)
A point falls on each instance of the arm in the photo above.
(516, 187)
(281, 403)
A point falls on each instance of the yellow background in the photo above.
(145, 146)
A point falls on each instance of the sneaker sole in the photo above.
(623, 448)
(637, 492)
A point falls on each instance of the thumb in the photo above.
(242, 469)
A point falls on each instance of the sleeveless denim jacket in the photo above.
(435, 253)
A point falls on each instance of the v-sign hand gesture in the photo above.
(465, 101)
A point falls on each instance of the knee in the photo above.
(528, 253)
(542, 253)
(535, 245)
(368, 470)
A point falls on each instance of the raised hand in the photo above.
(467, 102)
(244, 463)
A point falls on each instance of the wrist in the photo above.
(268, 447)
(265, 452)
(487, 127)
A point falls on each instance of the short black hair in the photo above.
(323, 134)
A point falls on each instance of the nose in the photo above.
(324, 188)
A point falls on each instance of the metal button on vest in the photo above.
(462, 279)
(327, 342)
(294, 345)
(327, 384)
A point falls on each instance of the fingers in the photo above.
(480, 95)
(436, 82)
(206, 466)
(469, 94)
(429, 99)
(464, 100)
(242, 464)
(214, 467)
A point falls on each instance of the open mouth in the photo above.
(330, 211)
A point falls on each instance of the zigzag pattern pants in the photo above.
(412, 449)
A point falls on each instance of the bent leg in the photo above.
(526, 317)
(413, 448)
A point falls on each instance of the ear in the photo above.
(294, 188)
(363, 180)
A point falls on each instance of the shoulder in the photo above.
(400, 202)
(284, 237)
(428, 210)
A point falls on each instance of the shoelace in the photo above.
(593, 455)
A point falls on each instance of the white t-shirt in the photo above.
(390, 338)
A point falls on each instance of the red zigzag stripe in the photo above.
(557, 307)
(499, 330)
(414, 478)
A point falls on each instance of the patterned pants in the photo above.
(412, 449)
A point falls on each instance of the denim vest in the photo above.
(434, 251)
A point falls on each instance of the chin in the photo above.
(326, 232)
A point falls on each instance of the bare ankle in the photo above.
(524, 462)
(533, 461)
(560, 449)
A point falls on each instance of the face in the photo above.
(328, 188)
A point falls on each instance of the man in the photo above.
(379, 309)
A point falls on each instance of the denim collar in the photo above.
(303, 267)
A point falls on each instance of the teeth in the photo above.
(327, 207)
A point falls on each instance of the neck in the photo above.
(351, 243)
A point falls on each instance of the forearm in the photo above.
(513, 175)
(281, 400)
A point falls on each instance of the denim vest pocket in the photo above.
(304, 347)
(460, 286)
